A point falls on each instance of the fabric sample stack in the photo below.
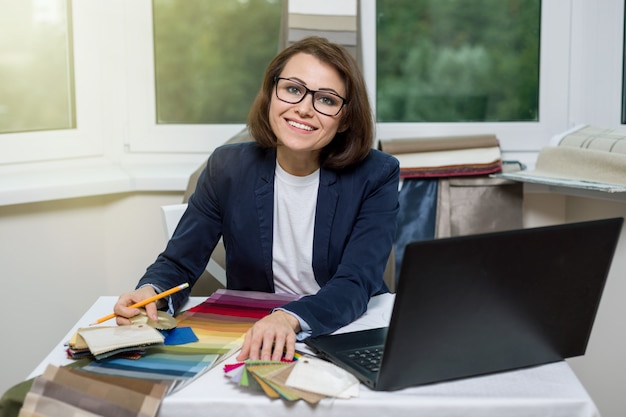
(452, 156)
(306, 378)
(120, 386)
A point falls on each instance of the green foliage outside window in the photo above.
(458, 60)
(210, 56)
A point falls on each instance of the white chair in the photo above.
(171, 216)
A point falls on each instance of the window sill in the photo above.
(85, 177)
(90, 177)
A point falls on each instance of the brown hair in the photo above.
(354, 139)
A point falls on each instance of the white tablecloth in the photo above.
(548, 390)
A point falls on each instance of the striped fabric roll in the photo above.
(70, 392)
(328, 21)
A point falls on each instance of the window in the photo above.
(210, 57)
(190, 110)
(36, 56)
(123, 98)
(51, 80)
(454, 61)
(468, 109)
(623, 121)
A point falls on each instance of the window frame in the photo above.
(68, 143)
(515, 137)
(116, 127)
(595, 96)
(144, 134)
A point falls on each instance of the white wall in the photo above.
(57, 257)
(602, 369)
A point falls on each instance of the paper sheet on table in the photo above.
(322, 377)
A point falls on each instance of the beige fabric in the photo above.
(437, 143)
(581, 164)
(389, 276)
(476, 205)
(341, 29)
(323, 22)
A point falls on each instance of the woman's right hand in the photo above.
(124, 313)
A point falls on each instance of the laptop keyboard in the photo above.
(368, 358)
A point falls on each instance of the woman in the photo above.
(308, 207)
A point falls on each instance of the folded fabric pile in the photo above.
(586, 153)
(106, 341)
(449, 156)
(70, 392)
(130, 342)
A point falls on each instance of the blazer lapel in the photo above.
(264, 192)
(326, 205)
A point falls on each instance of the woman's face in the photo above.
(302, 131)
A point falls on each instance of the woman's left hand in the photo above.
(271, 338)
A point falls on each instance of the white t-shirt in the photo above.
(295, 201)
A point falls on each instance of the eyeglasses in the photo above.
(324, 102)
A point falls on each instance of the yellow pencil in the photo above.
(145, 302)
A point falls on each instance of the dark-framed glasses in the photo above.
(324, 102)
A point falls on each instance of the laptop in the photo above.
(479, 304)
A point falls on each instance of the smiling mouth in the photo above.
(300, 125)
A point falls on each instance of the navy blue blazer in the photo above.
(355, 225)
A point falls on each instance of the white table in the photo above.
(552, 389)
